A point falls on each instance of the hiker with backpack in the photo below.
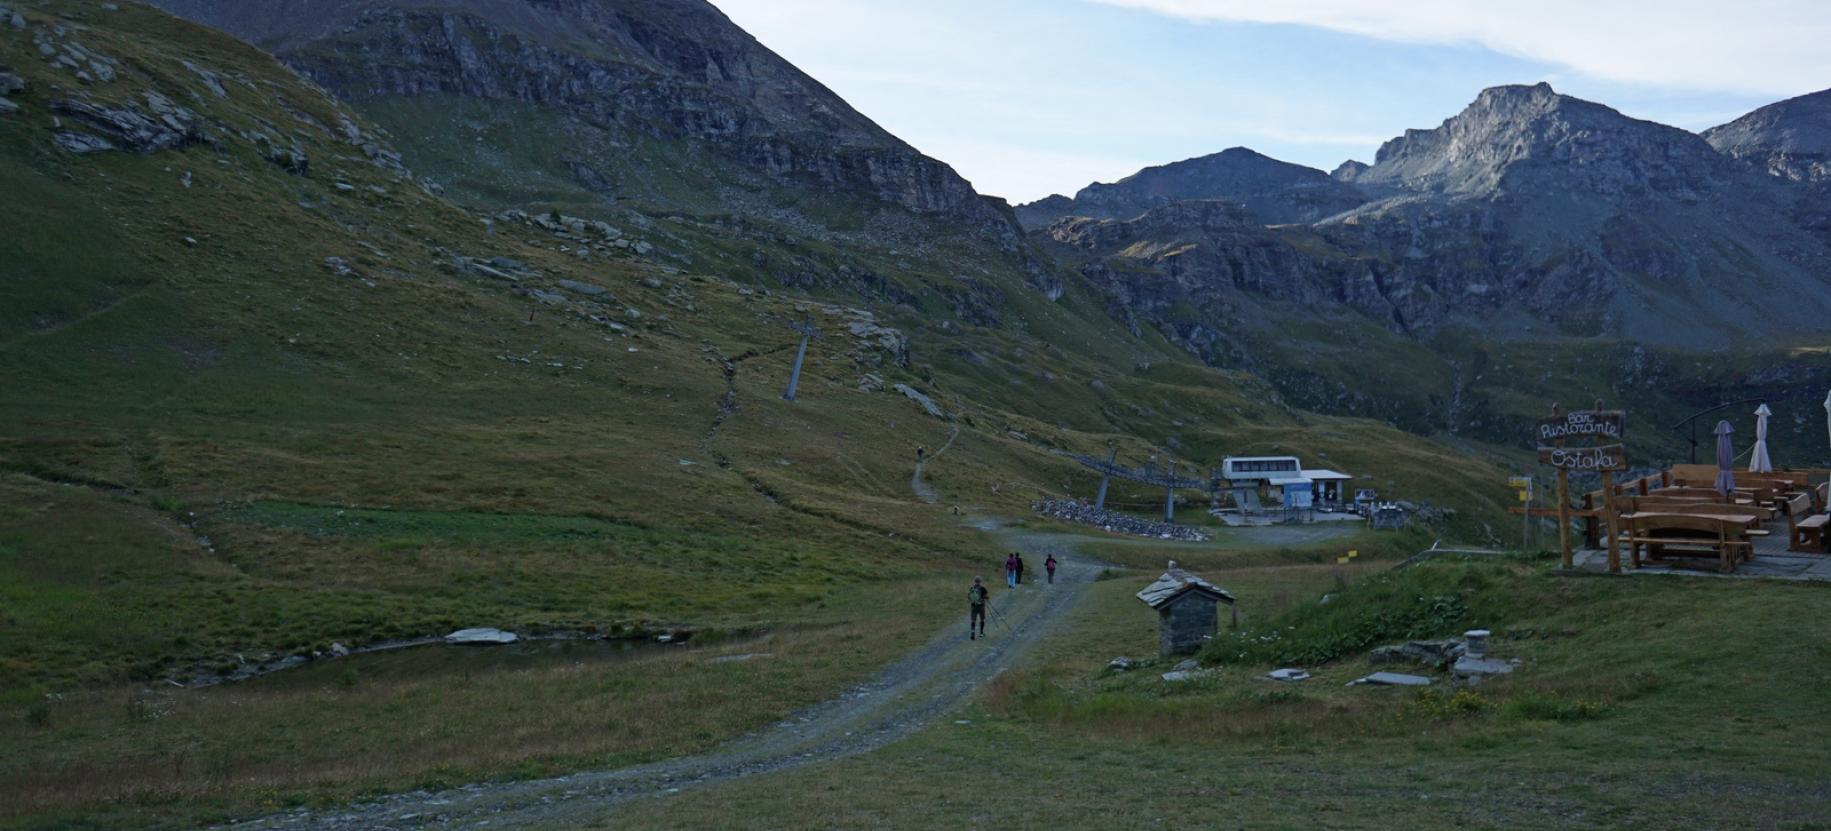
(1020, 567)
(1011, 569)
(975, 600)
(1049, 566)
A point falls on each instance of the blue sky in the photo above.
(1031, 97)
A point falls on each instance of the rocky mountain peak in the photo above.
(1790, 139)
(1274, 192)
(1519, 139)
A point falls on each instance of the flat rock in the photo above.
(1392, 679)
(1466, 665)
(1187, 666)
(739, 659)
(1180, 675)
(586, 289)
(1120, 664)
(481, 636)
(1288, 675)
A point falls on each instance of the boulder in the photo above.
(481, 636)
(11, 83)
(1288, 675)
(927, 403)
(1121, 664)
(1436, 654)
(1189, 665)
(7, 107)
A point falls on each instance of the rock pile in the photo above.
(1086, 514)
(586, 237)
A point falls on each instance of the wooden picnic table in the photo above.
(1724, 535)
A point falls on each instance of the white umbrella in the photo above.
(1758, 462)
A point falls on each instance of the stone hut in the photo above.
(1186, 610)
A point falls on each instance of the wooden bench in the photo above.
(1663, 535)
(1805, 528)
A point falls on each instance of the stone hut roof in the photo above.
(1177, 582)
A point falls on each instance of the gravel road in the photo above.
(910, 694)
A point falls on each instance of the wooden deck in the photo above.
(1771, 561)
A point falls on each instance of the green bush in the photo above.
(1436, 599)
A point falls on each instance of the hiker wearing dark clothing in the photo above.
(921, 454)
(1011, 570)
(1020, 568)
(1049, 566)
(975, 600)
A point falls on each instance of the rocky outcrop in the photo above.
(162, 125)
(1273, 192)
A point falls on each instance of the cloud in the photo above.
(1771, 47)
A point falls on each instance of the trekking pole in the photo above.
(999, 616)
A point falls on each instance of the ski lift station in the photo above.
(1298, 487)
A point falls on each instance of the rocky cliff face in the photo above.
(1273, 192)
(1790, 139)
(633, 70)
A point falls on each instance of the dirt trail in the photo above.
(922, 488)
(905, 697)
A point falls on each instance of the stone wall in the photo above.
(1184, 623)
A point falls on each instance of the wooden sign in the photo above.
(1609, 457)
(1599, 424)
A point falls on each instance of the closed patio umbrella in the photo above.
(1726, 459)
(1758, 462)
(1828, 411)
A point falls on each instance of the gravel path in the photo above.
(910, 694)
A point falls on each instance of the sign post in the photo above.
(1597, 425)
(1524, 485)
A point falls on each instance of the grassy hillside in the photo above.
(249, 412)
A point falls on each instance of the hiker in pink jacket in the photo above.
(1011, 570)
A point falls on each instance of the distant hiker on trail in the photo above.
(1011, 570)
(1049, 566)
(921, 453)
(975, 599)
(1020, 567)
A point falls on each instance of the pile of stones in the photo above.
(1086, 514)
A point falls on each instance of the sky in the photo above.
(1031, 97)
